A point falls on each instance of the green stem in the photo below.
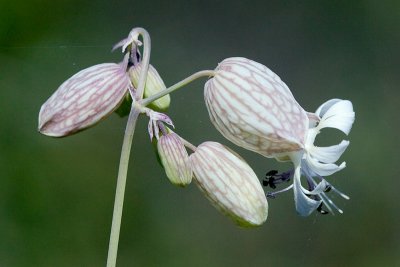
(126, 149)
(120, 190)
(203, 73)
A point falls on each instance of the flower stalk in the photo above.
(191, 78)
(125, 153)
(120, 190)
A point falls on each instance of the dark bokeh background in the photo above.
(56, 195)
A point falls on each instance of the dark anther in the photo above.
(328, 188)
(272, 178)
(269, 182)
(320, 210)
(271, 173)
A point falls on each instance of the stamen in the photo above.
(273, 194)
(325, 199)
(333, 204)
(334, 189)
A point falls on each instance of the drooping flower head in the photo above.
(252, 107)
(84, 99)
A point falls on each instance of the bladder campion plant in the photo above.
(248, 103)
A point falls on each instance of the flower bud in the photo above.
(154, 85)
(175, 159)
(230, 184)
(84, 99)
(253, 108)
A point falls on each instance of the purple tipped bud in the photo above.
(175, 159)
(230, 184)
(84, 99)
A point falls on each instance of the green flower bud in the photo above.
(175, 159)
(154, 85)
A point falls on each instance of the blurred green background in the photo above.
(56, 195)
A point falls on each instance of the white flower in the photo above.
(318, 162)
(252, 107)
(230, 184)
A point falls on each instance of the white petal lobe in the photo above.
(337, 114)
(323, 169)
(329, 154)
(304, 205)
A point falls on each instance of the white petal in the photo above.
(329, 154)
(323, 169)
(340, 107)
(325, 106)
(337, 114)
(304, 205)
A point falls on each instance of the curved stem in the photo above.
(126, 149)
(145, 62)
(203, 73)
